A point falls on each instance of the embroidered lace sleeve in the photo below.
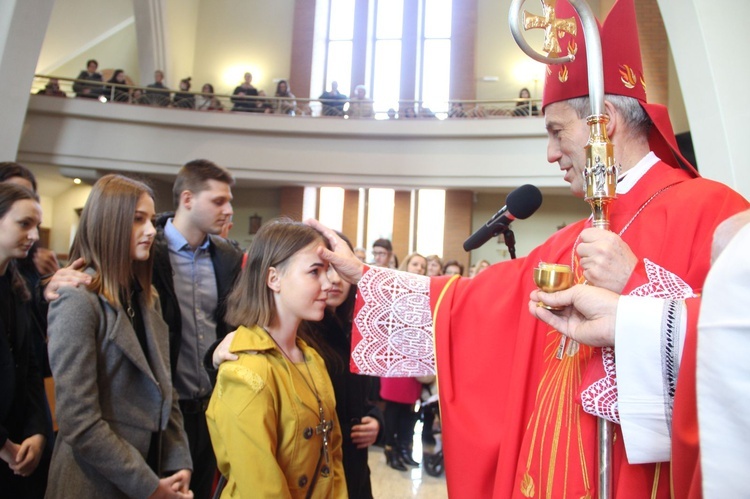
(601, 397)
(393, 331)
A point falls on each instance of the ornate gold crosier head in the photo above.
(600, 172)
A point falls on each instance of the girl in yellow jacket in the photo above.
(272, 416)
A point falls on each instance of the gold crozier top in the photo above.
(554, 28)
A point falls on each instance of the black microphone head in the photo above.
(524, 201)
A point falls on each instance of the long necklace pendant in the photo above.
(561, 347)
(323, 429)
(569, 348)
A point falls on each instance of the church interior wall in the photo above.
(216, 41)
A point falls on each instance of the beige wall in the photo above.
(677, 111)
(65, 219)
(238, 36)
(180, 30)
(266, 203)
(497, 55)
(76, 32)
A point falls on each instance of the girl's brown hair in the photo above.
(9, 195)
(103, 238)
(251, 300)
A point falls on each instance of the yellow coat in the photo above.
(262, 418)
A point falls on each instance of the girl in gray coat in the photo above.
(121, 431)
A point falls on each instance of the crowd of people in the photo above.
(146, 415)
(178, 354)
(246, 97)
(148, 394)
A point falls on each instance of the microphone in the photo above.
(521, 204)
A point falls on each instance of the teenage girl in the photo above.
(272, 415)
(22, 400)
(121, 432)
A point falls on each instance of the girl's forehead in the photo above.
(309, 253)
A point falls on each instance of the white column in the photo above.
(709, 40)
(23, 24)
(152, 47)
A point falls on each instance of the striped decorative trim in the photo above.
(670, 348)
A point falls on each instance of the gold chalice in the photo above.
(551, 277)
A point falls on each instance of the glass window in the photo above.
(309, 202)
(341, 26)
(434, 80)
(437, 18)
(389, 19)
(340, 66)
(387, 75)
(331, 211)
(430, 221)
(436, 75)
(379, 215)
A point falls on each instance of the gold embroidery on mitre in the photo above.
(627, 76)
(527, 486)
(553, 27)
(563, 74)
(572, 47)
(643, 82)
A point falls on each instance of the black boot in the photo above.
(393, 459)
(404, 453)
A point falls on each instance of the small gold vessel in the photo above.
(551, 277)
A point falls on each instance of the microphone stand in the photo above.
(510, 242)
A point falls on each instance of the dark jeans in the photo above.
(204, 461)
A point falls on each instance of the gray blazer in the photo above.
(110, 399)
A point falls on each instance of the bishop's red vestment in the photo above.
(512, 425)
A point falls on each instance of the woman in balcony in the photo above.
(524, 105)
(183, 98)
(285, 106)
(206, 101)
(114, 92)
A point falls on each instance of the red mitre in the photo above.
(623, 71)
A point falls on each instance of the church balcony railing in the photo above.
(107, 92)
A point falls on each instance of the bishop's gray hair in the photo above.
(634, 116)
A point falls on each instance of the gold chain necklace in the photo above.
(325, 427)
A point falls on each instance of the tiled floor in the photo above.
(388, 483)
